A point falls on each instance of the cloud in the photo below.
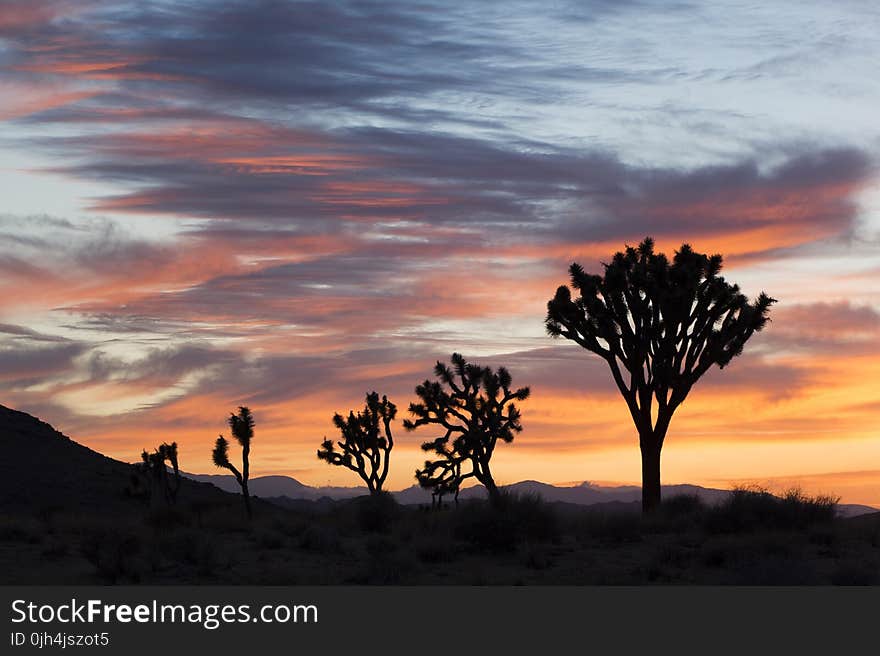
(809, 196)
(28, 357)
(569, 369)
(840, 327)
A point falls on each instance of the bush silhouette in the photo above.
(474, 406)
(242, 427)
(376, 513)
(660, 326)
(749, 509)
(365, 447)
(520, 518)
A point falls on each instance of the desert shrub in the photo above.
(681, 504)
(386, 563)
(752, 509)
(720, 553)
(223, 519)
(114, 555)
(519, 518)
(665, 563)
(193, 548)
(823, 536)
(827, 539)
(679, 512)
(773, 543)
(609, 527)
(167, 518)
(771, 570)
(804, 510)
(485, 529)
(537, 520)
(320, 538)
(290, 527)
(438, 548)
(868, 532)
(270, 539)
(376, 513)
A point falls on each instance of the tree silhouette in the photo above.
(163, 492)
(474, 405)
(242, 427)
(365, 447)
(442, 476)
(662, 323)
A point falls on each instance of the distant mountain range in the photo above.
(285, 488)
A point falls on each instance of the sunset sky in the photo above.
(285, 205)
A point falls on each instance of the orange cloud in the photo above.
(20, 15)
(24, 100)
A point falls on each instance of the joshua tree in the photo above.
(162, 491)
(660, 326)
(365, 447)
(474, 406)
(242, 427)
(442, 477)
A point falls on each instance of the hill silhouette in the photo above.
(281, 486)
(44, 470)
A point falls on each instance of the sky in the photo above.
(285, 205)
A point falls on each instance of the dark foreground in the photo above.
(751, 539)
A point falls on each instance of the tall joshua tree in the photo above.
(475, 408)
(242, 427)
(660, 326)
(162, 491)
(365, 447)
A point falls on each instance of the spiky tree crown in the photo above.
(364, 428)
(164, 452)
(242, 426)
(475, 407)
(366, 440)
(220, 455)
(666, 322)
(472, 402)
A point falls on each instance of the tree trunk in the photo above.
(484, 475)
(158, 498)
(650, 475)
(495, 498)
(247, 500)
(245, 476)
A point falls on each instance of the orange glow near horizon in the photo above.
(567, 437)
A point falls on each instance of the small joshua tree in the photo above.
(442, 477)
(163, 492)
(242, 427)
(660, 326)
(474, 407)
(365, 447)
